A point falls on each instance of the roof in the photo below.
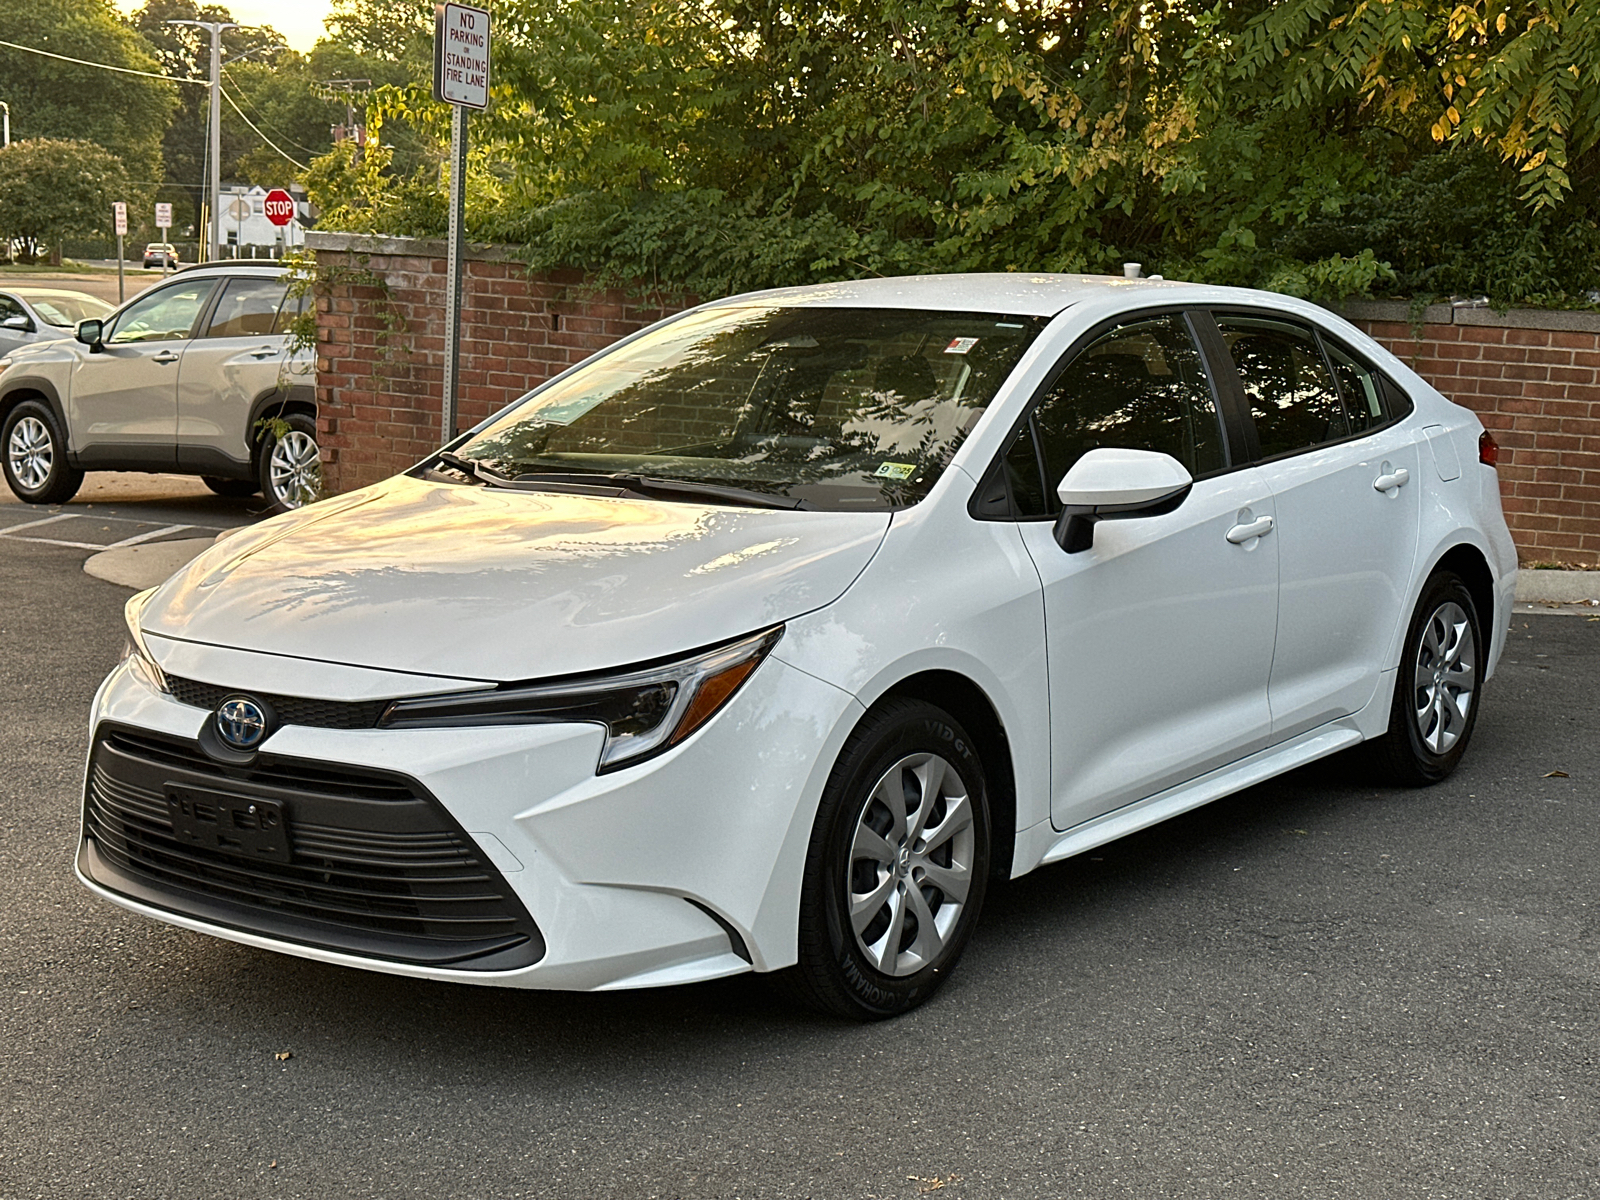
(1023, 293)
(29, 293)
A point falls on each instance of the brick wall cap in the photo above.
(1444, 314)
(367, 243)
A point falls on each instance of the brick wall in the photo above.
(1533, 378)
(380, 348)
(1530, 376)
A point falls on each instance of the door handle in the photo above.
(1391, 480)
(1240, 534)
(165, 356)
(263, 352)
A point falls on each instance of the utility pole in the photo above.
(214, 225)
(349, 87)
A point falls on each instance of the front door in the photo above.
(124, 402)
(1159, 637)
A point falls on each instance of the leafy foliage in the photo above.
(1307, 145)
(55, 188)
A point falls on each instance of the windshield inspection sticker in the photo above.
(960, 345)
(895, 470)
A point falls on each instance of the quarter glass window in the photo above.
(248, 308)
(1363, 402)
(1292, 396)
(1142, 386)
(164, 315)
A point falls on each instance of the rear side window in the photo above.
(1140, 386)
(1291, 393)
(1361, 388)
(249, 308)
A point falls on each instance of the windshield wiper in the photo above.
(645, 485)
(474, 468)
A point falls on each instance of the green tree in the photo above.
(53, 99)
(51, 189)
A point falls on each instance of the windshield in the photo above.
(66, 311)
(835, 408)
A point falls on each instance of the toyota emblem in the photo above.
(241, 722)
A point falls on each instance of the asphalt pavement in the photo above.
(1320, 987)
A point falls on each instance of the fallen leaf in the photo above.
(284, 1055)
(1557, 775)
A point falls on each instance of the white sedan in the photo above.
(769, 637)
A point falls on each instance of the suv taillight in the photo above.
(1488, 449)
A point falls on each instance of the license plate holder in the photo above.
(243, 826)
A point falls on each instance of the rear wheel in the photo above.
(1436, 695)
(230, 487)
(288, 463)
(897, 866)
(35, 459)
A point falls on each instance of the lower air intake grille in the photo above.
(370, 864)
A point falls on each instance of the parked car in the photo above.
(768, 638)
(192, 376)
(160, 254)
(30, 314)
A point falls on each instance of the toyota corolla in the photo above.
(768, 638)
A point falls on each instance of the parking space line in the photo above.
(59, 542)
(145, 537)
(8, 530)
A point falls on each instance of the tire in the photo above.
(230, 487)
(1438, 690)
(288, 468)
(34, 456)
(887, 783)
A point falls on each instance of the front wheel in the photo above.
(1437, 693)
(36, 466)
(288, 463)
(232, 488)
(897, 866)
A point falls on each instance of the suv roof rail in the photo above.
(231, 262)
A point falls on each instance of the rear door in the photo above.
(124, 400)
(1346, 486)
(1159, 637)
(234, 360)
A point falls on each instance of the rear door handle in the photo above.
(165, 356)
(1391, 480)
(1240, 534)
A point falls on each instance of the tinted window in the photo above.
(1359, 386)
(1142, 386)
(1028, 496)
(10, 308)
(1287, 384)
(163, 315)
(248, 308)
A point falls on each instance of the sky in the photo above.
(300, 21)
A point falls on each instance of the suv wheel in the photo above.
(36, 456)
(288, 463)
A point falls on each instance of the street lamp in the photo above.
(215, 28)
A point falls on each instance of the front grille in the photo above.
(374, 864)
(291, 710)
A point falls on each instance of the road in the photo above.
(135, 280)
(1320, 987)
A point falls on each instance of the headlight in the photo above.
(136, 654)
(643, 712)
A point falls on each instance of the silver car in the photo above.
(32, 314)
(192, 376)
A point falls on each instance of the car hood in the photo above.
(493, 584)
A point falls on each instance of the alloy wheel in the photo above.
(31, 452)
(1446, 677)
(295, 469)
(911, 864)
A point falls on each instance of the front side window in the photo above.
(166, 314)
(835, 408)
(1292, 395)
(249, 308)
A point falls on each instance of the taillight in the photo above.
(1488, 449)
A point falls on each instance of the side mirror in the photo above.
(1111, 483)
(19, 322)
(90, 332)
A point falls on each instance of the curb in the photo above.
(140, 567)
(1557, 587)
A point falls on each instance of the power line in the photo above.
(256, 108)
(83, 62)
(258, 132)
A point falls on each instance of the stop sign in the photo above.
(279, 206)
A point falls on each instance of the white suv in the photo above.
(192, 376)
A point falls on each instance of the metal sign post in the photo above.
(164, 223)
(119, 217)
(460, 79)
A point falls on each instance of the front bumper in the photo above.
(685, 867)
